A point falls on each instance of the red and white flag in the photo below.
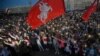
(89, 11)
(44, 11)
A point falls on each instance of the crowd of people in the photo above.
(66, 35)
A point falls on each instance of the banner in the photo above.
(45, 11)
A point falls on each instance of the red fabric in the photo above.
(89, 11)
(57, 10)
(61, 43)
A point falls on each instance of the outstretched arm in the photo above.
(11, 35)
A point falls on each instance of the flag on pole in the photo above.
(44, 11)
(89, 11)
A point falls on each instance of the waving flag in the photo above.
(89, 11)
(44, 11)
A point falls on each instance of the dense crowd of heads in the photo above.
(69, 29)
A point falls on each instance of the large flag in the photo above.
(89, 11)
(44, 11)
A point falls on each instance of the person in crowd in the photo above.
(67, 49)
(91, 51)
(66, 33)
(38, 40)
(44, 40)
(56, 45)
(26, 39)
